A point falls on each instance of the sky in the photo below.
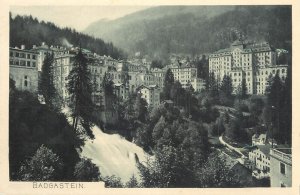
(78, 17)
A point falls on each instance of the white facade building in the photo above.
(260, 156)
(252, 62)
(151, 94)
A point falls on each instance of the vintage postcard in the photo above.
(149, 97)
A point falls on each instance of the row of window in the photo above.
(22, 63)
(22, 55)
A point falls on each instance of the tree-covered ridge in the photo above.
(26, 30)
(192, 33)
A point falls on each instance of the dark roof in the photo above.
(23, 50)
(257, 47)
(264, 149)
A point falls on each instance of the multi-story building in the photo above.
(136, 67)
(121, 91)
(63, 64)
(159, 76)
(115, 76)
(42, 50)
(133, 81)
(146, 78)
(281, 167)
(151, 94)
(184, 74)
(263, 75)
(198, 84)
(23, 68)
(259, 139)
(252, 62)
(260, 156)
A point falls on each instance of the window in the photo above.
(28, 56)
(282, 168)
(33, 57)
(22, 63)
(28, 63)
(25, 81)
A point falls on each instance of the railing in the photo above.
(281, 155)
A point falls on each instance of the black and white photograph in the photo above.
(163, 96)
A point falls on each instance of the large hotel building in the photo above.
(253, 62)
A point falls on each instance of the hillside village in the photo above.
(249, 66)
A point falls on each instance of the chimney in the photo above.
(34, 46)
(22, 47)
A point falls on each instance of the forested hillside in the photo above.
(190, 32)
(30, 31)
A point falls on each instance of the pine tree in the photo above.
(279, 104)
(286, 113)
(132, 183)
(274, 91)
(242, 90)
(168, 83)
(176, 93)
(212, 87)
(226, 90)
(85, 170)
(46, 85)
(80, 91)
(108, 90)
(140, 108)
(226, 86)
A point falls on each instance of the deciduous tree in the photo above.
(44, 165)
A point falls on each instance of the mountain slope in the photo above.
(29, 31)
(104, 27)
(160, 31)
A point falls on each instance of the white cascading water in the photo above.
(114, 155)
